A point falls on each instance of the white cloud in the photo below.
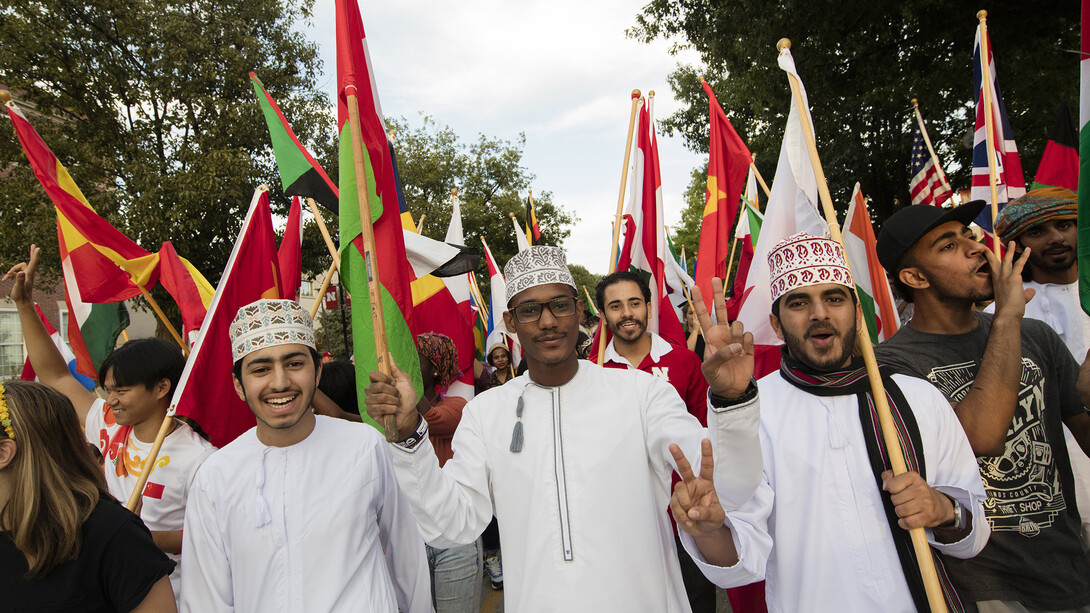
(560, 71)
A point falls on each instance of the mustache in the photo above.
(821, 327)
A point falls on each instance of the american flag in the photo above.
(1010, 183)
(928, 185)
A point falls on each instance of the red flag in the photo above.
(645, 248)
(728, 163)
(290, 253)
(1059, 165)
(189, 288)
(251, 274)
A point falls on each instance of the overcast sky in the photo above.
(560, 71)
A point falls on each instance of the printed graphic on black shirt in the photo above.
(1023, 484)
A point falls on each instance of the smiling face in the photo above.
(278, 384)
(818, 324)
(625, 310)
(1052, 245)
(950, 264)
(134, 404)
(500, 358)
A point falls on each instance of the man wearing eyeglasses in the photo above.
(574, 460)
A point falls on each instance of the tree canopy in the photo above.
(862, 63)
(149, 107)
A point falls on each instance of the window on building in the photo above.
(306, 289)
(63, 329)
(11, 344)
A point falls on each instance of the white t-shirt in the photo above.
(182, 452)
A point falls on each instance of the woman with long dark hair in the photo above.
(65, 543)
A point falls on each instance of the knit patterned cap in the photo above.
(802, 260)
(538, 265)
(269, 323)
(1034, 209)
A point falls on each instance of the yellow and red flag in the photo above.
(728, 164)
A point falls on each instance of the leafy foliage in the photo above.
(862, 63)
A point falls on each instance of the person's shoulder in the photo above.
(185, 442)
(340, 431)
(226, 458)
(107, 518)
(683, 356)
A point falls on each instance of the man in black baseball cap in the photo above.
(1011, 383)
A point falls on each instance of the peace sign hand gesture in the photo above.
(728, 348)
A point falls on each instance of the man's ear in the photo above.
(776, 327)
(860, 322)
(238, 388)
(914, 278)
(161, 389)
(509, 320)
(8, 449)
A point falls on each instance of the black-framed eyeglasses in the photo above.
(529, 312)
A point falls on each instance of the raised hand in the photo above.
(728, 348)
(1010, 295)
(24, 273)
(694, 504)
(392, 396)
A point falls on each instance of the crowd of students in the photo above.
(641, 484)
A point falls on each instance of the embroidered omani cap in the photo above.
(1034, 209)
(268, 323)
(802, 260)
(538, 265)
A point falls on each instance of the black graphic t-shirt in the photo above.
(1035, 555)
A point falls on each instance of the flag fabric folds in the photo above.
(290, 253)
(791, 208)
(300, 173)
(1059, 165)
(521, 236)
(395, 276)
(533, 232)
(1083, 248)
(875, 296)
(188, 287)
(1010, 183)
(205, 392)
(69, 358)
(497, 330)
(728, 162)
(928, 183)
(644, 248)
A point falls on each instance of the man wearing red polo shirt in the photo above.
(624, 300)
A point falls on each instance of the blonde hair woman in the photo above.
(65, 543)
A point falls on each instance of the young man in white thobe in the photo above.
(838, 517)
(573, 459)
(301, 512)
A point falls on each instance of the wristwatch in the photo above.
(961, 518)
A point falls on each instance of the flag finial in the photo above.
(635, 94)
(5, 96)
(783, 43)
(701, 77)
(981, 14)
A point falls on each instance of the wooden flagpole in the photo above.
(162, 317)
(878, 391)
(374, 292)
(420, 224)
(321, 292)
(930, 149)
(325, 235)
(125, 335)
(760, 180)
(620, 211)
(149, 462)
(529, 222)
(989, 122)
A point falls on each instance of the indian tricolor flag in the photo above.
(355, 78)
(875, 296)
(1084, 162)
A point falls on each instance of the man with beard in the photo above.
(1011, 382)
(301, 512)
(1044, 222)
(838, 518)
(623, 300)
(573, 459)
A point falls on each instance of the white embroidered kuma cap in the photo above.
(268, 323)
(538, 265)
(802, 260)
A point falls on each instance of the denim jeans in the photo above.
(456, 578)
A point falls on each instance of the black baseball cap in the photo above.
(908, 225)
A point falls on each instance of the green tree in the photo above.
(584, 278)
(862, 63)
(149, 106)
(687, 233)
(491, 181)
